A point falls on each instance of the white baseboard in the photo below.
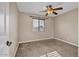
(66, 42)
(49, 38)
(34, 40)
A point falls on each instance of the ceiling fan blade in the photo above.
(55, 13)
(60, 8)
(46, 14)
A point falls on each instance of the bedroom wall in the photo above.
(13, 28)
(66, 27)
(26, 33)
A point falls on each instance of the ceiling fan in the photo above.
(50, 10)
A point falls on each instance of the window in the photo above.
(38, 25)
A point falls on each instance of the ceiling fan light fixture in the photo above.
(51, 10)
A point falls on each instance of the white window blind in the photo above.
(38, 25)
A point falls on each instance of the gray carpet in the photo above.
(39, 48)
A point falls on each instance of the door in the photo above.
(4, 49)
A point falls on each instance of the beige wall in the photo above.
(13, 28)
(66, 27)
(26, 33)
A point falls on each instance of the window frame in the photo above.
(38, 29)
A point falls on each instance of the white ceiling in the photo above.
(36, 7)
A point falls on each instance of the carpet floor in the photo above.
(39, 48)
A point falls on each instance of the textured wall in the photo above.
(13, 28)
(66, 26)
(26, 33)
